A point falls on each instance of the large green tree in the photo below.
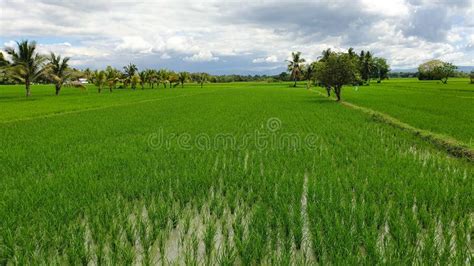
(380, 69)
(436, 70)
(27, 65)
(444, 71)
(295, 66)
(366, 65)
(336, 70)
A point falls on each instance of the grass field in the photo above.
(244, 173)
(441, 108)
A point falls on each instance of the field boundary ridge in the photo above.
(449, 144)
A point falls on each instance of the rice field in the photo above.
(238, 173)
(440, 108)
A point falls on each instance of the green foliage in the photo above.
(27, 65)
(99, 79)
(58, 71)
(336, 70)
(295, 66)
(134, 81)
(380, 69)
(436, 70)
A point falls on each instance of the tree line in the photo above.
(333, 69)
(27, 66)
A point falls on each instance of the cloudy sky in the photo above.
(256, 36)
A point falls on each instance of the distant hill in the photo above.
(466, 69)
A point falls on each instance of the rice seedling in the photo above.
(104, 191)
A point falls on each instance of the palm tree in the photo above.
(182, 77)
(326, 53)
(99, 78)
(3, 61)
(134, 81)
(308, 72)
(163, 76)
(87, 73)
(130, 71)
(152, 77)
(112, 77)
(58, 71)
(27, 64)
(295, 65)
(143, 78)
(351, 52)
(202, 78)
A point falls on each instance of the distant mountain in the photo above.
(466, 69)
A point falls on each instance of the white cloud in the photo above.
(269, 59)
(202, 56)
(165, 56)
(240, 34)
(134, 44)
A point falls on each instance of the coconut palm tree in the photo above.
(183, 76)
(163, 76)
(129, 71)
(295, 65)
(99, 78)
(173, 78)
(112, 77)
(152, 77)
(134, 81)
(27, 65)
(58, 71)
(143, 78)
(326, 53)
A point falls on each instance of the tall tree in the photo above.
(173, 79)
(3, 61)
(380, 69)
(152, 77)
(58, 71)
(129, 71)
(183, 77)
(163, 76)
(4, 64)
(134, 81)
(143, 78)
(27, 65)
(99, 79)
(337, 70)
(324, 56)
(200, 78)
(365, 65)
(308, 74)
(295, 65)
(444, 71)
(112, 77)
